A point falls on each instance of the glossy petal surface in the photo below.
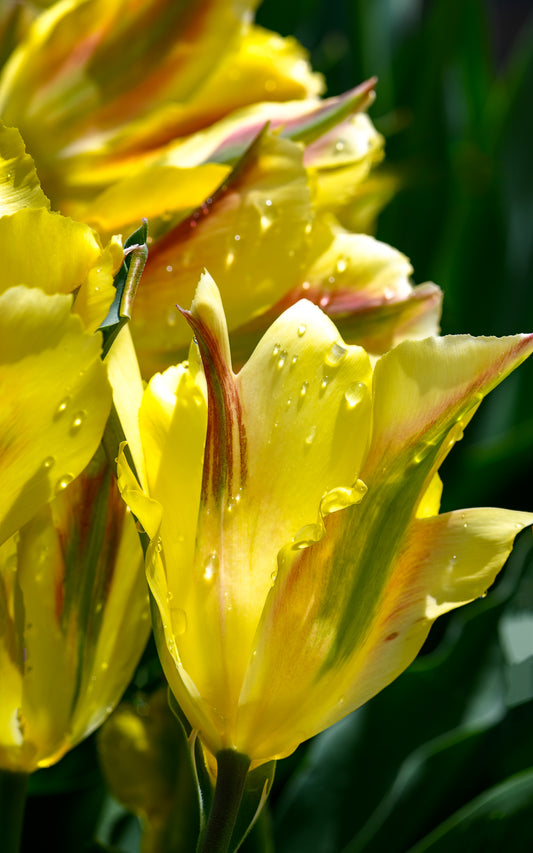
(55, 400)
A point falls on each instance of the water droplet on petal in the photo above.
(342, 264)
(276, 350)
(170, 268)
(303, 389)
(61, 409)
(354, 394)
(268, 202)
(49, 462)
(302, 328)
(77, 422)
(282, 358)
(310, 437)
(336, 354)
(339, 146)
(237, 238)
(64, 482)
(211, 566)
(274, 575)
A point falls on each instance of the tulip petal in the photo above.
(19, 184)
(51, 252)
(444, 563)
(79, 614)
(425, 389)
(55, 401)
(155, 193)
(252, 236)
(327, 592)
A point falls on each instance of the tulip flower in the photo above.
(299, 570)
(97, 85)
(185, 144)
(74, 620)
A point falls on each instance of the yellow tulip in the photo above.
(74, 620)
(97, 86)
(73, 610)
(297, 557)
(181, 140)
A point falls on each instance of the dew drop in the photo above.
(49, 462)
(61, 409)
(303, 389)
(354, 394)
(483, 594)
(268, 202)
(310, 437)
(237, 238)
(294, 359)
(158, 546)
(64, 482)
(170, 268)
(336, 354)
(77, 423)
(274, 575)
(276, 350)
(230, 257)
(325, 382)
(339, 146)
(211, 566)
(308, 228)
(341, 265)
(302, 328)
(282, 358)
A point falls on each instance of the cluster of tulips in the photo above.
(272, 445)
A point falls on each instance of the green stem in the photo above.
(13, 788)
(232, 770)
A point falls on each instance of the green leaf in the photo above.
(126, 282)
(499, 819)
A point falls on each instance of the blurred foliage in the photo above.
(442, 759)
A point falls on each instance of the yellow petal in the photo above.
(55, 401)
(79, 615)
(427, 391)
(19, 184)
(48, 251)
(88, 71)
(445, 562)
(253, 238)
(155, 193)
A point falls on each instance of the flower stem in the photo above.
(232, 770)
(13, 788)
